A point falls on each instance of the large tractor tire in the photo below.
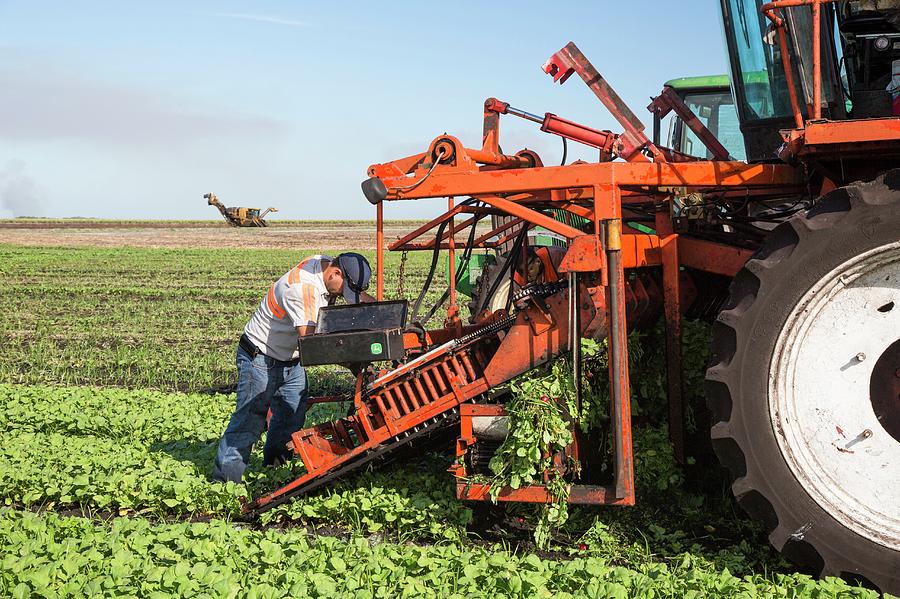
(804, 385)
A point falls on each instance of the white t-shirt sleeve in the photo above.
(300, 305)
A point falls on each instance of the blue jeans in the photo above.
(263, 383)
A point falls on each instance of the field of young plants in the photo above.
(116, 381)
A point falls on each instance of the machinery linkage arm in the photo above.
(633, 141)
(606, 141)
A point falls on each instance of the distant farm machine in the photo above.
(239, 217)
(773, 210)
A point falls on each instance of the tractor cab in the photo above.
(838, 65)
(710, 99)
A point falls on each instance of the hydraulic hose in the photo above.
(435, 254)
(463, 263)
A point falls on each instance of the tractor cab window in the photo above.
(716, 111)
(758, 77)
(756, 63)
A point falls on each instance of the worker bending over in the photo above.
(268, 356)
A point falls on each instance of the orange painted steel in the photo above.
(451, 253)
(771, 11)
(448, 368)
(521, 187)
(852, 132)
(710, 256)
(867, 138)
(603, 250)
(379, 251)
(454, 372)
(472, 181)
(632, 141)
(578, 494)
(671, 276)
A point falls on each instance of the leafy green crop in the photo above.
(543, 406)
(52, 556)
(169, 320)
(537, 432)
(129, 416)
(148, 452)
(414, 500)
(101, 474)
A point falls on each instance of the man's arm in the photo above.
(304, 331)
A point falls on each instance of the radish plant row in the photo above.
(143, 318)
(150, 453)
(72, 557)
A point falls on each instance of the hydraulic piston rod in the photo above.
(605, 141)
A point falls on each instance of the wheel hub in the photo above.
(884, 388)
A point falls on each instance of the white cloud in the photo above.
(50, 104)
(264, 19)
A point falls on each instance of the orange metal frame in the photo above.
(520, 186)
(450, 372)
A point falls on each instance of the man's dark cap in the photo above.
(356, 271)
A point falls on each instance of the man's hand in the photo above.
(304, 331)
(365, 298)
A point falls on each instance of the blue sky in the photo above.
(135, 110)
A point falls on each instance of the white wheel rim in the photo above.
(819, 397)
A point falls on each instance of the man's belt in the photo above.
(248, 346)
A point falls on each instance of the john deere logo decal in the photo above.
(376, 349)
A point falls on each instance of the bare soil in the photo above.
(341, 235)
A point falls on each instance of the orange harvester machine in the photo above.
(615, 275)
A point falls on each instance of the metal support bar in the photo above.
(672, 309)
(771, 11)
(780, 178)
(533, 216)
(817, 60)
(618, 360)
(528, 116)
(426, 227)
(575, 339)
(570, 59)
(379, 251)
(668, 100)
(452, 256)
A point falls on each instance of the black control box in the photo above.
(356, 333)
(358, 346)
